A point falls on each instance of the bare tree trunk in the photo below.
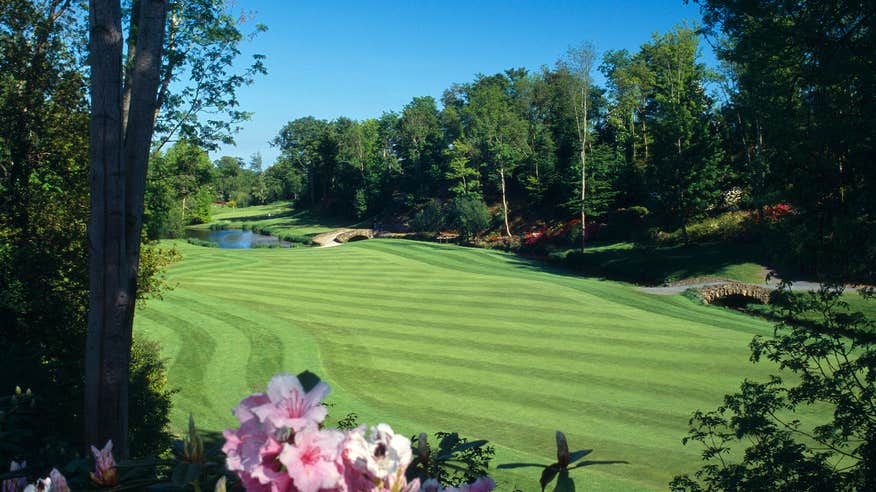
(584, 175)
(645, 139)
(504, 201)
(119, 153)
(583, 195)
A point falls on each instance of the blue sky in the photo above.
(359, 59)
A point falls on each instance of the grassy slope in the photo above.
(624, 261)
(278, 215)
(433, 337)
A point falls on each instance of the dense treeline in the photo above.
(665, 135)
(650, 138)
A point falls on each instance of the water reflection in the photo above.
(236, 238)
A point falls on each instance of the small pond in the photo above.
(236, 238)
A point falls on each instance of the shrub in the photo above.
(149, 400)
(220, 226)
(201, 242)
(430, 218)
(469, 216)
(729, 226)
(296, 238)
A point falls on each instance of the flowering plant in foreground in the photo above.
(281, 446)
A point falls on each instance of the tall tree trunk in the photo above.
(645, 139)
(504, 201)
(119, 154)
(584, 176)
(583, 195)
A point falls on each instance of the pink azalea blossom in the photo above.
(104, 465)
(289, 406)
(312, 460)
(252, 450)
(59, 482)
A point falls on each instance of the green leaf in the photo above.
(577, 455)
(193, 473)
(548, 475)
(308, 380)
(564, 482)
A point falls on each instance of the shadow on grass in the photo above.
(657, 265)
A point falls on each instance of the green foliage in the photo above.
(201, 242)
(726, 227)
(295, 238)
(453, 461)
(154, 262)
(833, 361)
(685, 168)
(811, 147)
(150, 400)
(469, 216)
(430, 218)
(178, 190)
(202, 72)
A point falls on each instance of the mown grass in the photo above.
(278, 217)
(432, 337)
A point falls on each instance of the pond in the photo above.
(236, 238)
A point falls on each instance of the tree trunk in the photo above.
(119, 154)
(583, 195)
(584, 176)
(504, 201)
(645, 139)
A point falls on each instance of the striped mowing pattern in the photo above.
(435, 337)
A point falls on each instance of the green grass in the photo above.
(656, 265)
(280, 217)
(432, 337)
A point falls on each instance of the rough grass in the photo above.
(433, 337)
(663, 264)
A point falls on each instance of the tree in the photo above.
(686, 155)
(462, 175)
(202, 49)
(500, 133)
(299, 142)
(804, 79)
(119, 152)
(579, 63)
(420, 146)
(830, 351)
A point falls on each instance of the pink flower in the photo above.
(15, 484)
(311, 461)
(59, 482)
(252, 449)
(289, 406)
(104, 465)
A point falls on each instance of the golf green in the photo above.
(430, 337)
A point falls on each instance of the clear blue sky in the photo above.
(361, 58)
